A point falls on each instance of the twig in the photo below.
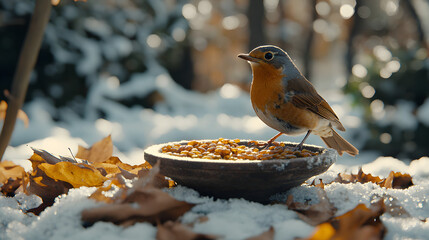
(72, 155)
(27, 60)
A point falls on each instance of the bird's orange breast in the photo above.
(268, 98)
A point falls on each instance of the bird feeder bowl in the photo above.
(254, 180)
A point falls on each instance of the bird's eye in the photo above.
(269, 56)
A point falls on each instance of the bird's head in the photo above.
(270, 56)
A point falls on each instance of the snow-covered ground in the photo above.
(188, 115)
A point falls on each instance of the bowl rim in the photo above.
(154, 150)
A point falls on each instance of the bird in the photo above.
(287, 102)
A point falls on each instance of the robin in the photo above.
(286, 101)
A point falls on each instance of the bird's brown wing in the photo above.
(305, 96)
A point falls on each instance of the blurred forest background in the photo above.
(376, 52)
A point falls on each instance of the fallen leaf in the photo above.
(360, 223)
(9, 170)
(398, 180)
(77, 175)
(100, 193)
(158, 181)
(142, 202)
(11, 177)
(177, 231)
(49, 158)
(320, 184)
(144, 205)
(360, 177)
(395, 180)
(46, 188)
(21, 114)
(114, 165)
(10, 186)
(99, 152)
(52, 176)
(267, 235)
(313, 214)
(324, 231)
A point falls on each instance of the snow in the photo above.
(185, 115)
(232, 218)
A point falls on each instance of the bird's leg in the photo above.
(272, 140)
(299, 146)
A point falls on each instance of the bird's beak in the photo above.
(248, 57)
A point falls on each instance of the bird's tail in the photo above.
(340, 144)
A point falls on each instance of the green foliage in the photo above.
(392, 100)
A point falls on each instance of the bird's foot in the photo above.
(268, 145)
(298, 147)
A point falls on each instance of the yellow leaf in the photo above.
(324, 231)
(77, 176)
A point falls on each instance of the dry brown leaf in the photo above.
(313, 214)
(77, 175)
(10, 187)
(395, 180)
(46, 188)
(52, 176)
(267, 235)
(11, 177)
(361, 223)
(320, 184)
(21, 114)
(99, 152)
(177, 231)
(158, 181)
(9, 170)
(143, 205)
(143, 202)
(361, 177)
(99, 193)
(398, 180)
(114, 165)
(49, 158)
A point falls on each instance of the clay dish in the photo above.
(254, 180)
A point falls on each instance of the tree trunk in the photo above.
(256, 16)
(26, 62)
(309, 42)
